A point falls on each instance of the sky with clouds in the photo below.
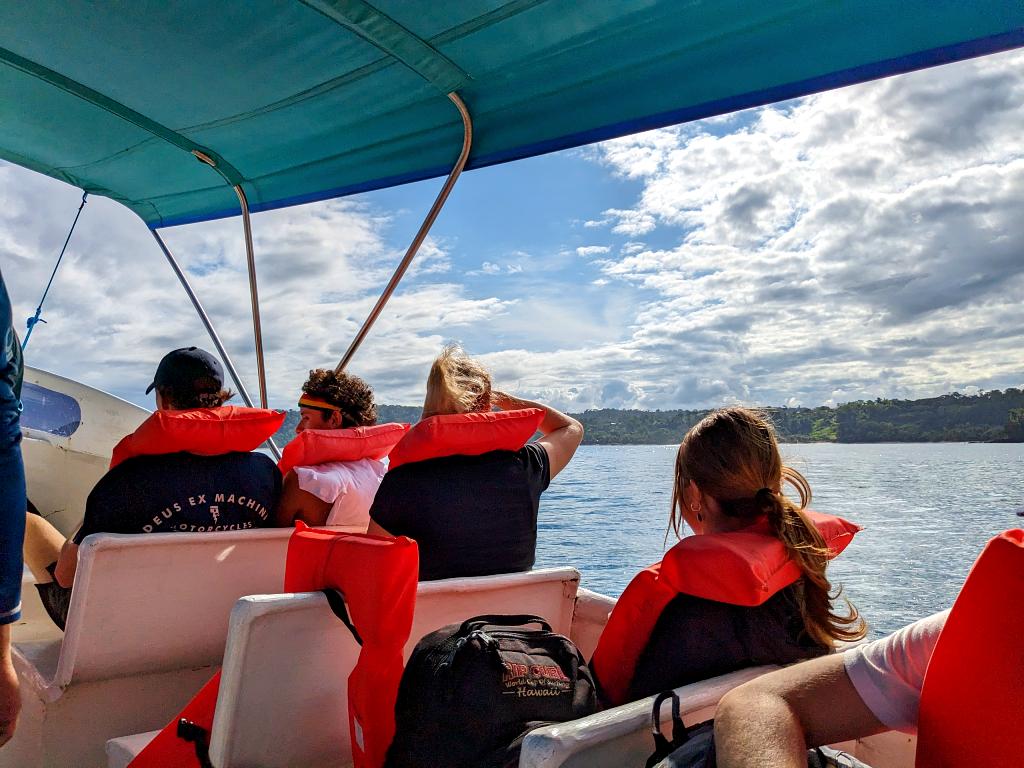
(861, 243)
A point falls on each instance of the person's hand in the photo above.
(507, 402)
(500, 400)
(10, 698)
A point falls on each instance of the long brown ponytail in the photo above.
(733, 457)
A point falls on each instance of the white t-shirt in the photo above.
(889, 673)
(347, 485)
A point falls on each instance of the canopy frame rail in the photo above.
(421, 234)
(250, 258)
(214, 337)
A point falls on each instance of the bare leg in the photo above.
(43, 543)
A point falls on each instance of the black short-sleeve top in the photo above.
(470, 515)
(183, 492)
(695, 639)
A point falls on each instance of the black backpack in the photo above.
(469, 691)
(694, 747)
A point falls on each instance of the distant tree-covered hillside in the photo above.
(405, 414)
(408, 414)
(987, 416)
(612, 426)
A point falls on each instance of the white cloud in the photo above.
(586, 251)
(491, 268)
(115, 306)
(632, 223)
(858, 243)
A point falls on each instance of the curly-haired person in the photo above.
(335, 492)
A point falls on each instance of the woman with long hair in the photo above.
(750, 588)
(464, 482)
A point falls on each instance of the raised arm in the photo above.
(562, 434)
(774, 719)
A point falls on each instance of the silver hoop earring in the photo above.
(695, 507)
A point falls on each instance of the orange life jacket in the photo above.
(466, 434)
(318, 446)
(743, 567)
(203, 431)
(377, 575)
(972, 702)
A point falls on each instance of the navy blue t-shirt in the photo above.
(12, 471)
(470, 515)
(182, 492)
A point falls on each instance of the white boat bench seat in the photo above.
(589, 619)
(283, 697)
(146, 626)
(621, 736)
(122, 750)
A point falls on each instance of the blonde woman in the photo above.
(464, 483)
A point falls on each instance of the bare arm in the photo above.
(43, 545)
(562, 434)
(10, 700)
(297, 504)
(67, 564)
(375, 530)
(774, 719)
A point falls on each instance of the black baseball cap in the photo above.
(189, 367)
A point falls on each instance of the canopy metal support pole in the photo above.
(37, 317)
(254, 297)
(435, 209)
(250, 256)
(209, 329)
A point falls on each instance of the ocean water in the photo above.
(927, 511)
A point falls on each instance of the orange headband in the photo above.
(306, 401)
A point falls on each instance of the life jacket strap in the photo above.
(336, 601)
(198, 737)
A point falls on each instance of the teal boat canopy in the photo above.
(302, 100)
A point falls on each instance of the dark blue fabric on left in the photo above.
(12, 471)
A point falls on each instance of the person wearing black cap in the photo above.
(161, 488)
(189, 377)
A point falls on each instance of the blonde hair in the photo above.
(733, 457)
(456, 384)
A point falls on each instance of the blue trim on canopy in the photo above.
(852, 76)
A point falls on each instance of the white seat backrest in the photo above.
(622, 735)
(549, 593)
(159, 602)
(284, 686)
